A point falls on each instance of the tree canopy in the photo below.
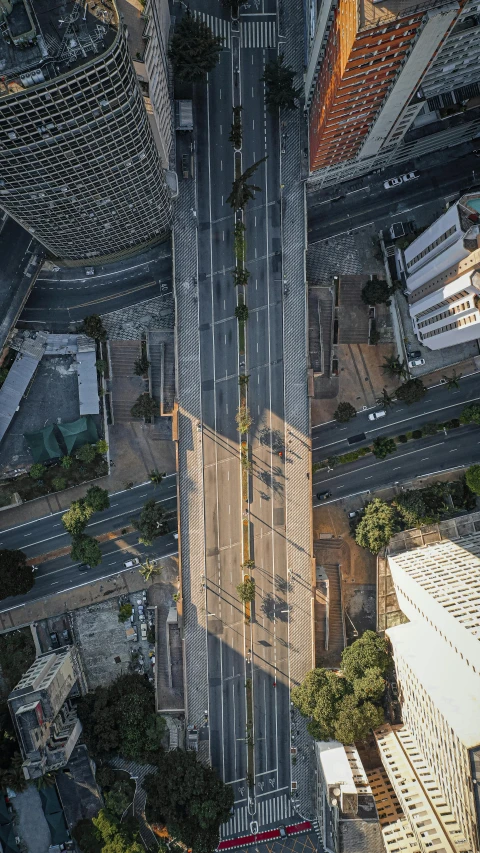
(382, 446)
(472, 477)
(377, 526)
(94, 328)
(470, 414)
(120, 719)
(189, 798)
(106, 834)
(346, 706)
(151, 522)
(85, 549)
(77, 517)
(97, 498)
(344, 412)
(411, 391)
(279, 81)
(16, 575)
(242, 191)
(246, 590)
(144, 407)
(194, 50)
(376, 291)
(412, 508)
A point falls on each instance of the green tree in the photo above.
(13, 776)
(151, 522)
(243, 419)
(411, 391)
(376, 292)
(370, 686)
(190, 798)
(354, 722)
(86, 550)
(117, 837)
(470, 414)
(86, 453)
(141, 365)
(87, 837)
(243, 380)
(37, 471)
(241, 313)
(150, 569)
(246, 590)
(344, 413)
(77, 517)
(412, 508)
(452, 381)
(386, 399)
(17, 653)
(16, 575)
(394, 366)
(194, 50)
(240, 276)
(59, 484)
(97, 499)
(236, 129)
(125, 612)
(144, 407)
(242, 191)
(101, 446)
(66, 462)
(377, 526)
(120, 719)
(382, 446)
(101, 365)
(119, 798)
(94, 328)
(370, 651)
(472, 477)
(319, 698)
(156, 476)
(281, 93)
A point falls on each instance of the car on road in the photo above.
(410, 176)
(374, 416)
(282, 831)
(392, 182)
(322, 496)
(89, 270)
(130, 564)
(414, 354)
(416, 362)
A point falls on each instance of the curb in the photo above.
(260, 837)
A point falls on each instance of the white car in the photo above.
(374, 416)
(129, 564)
(410, 176)
(392, 182)
(416, 362)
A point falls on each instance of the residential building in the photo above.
(441, 270)
(378, 72)
(433, 759)
(345, 808)
(396, 832)
(79, 166)
(43, 711)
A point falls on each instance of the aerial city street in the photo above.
(239, 426)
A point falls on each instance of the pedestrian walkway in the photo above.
(269, 812)
(258, 33)
(218, 26)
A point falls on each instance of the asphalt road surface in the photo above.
(337, 210)
(47, 535)
(16, 250)
(431, 455)
(236, 651)
(62, 295)
(439, 404)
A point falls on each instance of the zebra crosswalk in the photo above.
(258, 34)
(269, 811)
(218, 26)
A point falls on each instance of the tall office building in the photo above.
(79, 167)
(378, 69)
(441, 270)
(433, 759)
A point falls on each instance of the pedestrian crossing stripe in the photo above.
(268, 812)
(218, 26)
(258, 34)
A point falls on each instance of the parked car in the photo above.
(410, 176)
(66, 636)
(54, 640)
(130, 564)
(374, 416)
(353, 513)
(322, 496)
(416, 362)
(392, 182)
(414, 354)
(143, 631)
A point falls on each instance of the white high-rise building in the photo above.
(433, 760)
(442, 272)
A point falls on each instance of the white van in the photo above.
(374, 416)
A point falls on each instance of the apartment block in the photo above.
(377, 70)
(345, 808)
(433, 759)
(396, 832)
(43, 711)
(79, 166)
(441, 270)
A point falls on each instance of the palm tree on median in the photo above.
(394, 366)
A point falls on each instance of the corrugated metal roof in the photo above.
(87, 383)
(14, 387)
